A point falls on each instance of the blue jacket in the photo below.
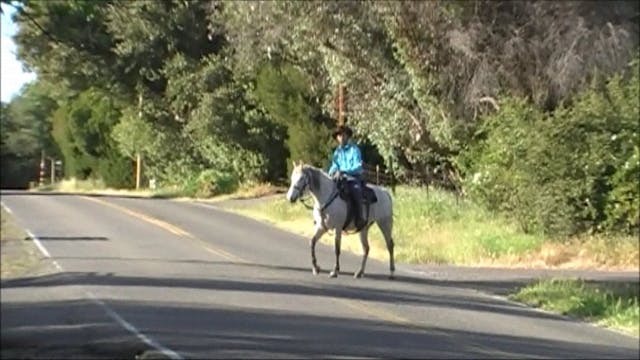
(346, 159)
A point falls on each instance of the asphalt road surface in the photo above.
(158, 278)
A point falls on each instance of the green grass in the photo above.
(612, 305)
(435, 227)
(429, 227)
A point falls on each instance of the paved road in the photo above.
(183, 280)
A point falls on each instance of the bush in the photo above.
(206, 183)
(210, 183)
(82, 129)
(565, 172)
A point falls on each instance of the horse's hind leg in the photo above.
(336, 268)
(314, 266)
(386, 227)
(364, 241)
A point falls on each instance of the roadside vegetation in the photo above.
(245, 190)
(534, 122)
(430, 227)
(436, 227)
(18, 257)
(608, 304)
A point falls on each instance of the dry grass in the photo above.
(245, 191)
(17, 256)
(429, 228)
(74, 185)
(613, 253)
(434, 228)
(256, 190)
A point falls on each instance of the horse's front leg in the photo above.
(336, 268)
(364, 241)
(314, 266)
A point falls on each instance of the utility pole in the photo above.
(53, 170)
(138, 168)
(138, 157)
(42, 165)
(340, 104)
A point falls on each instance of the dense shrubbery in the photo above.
(568, 171)
(82, 129)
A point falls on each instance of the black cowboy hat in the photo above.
(342, 129)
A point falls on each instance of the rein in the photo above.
(321, 207)
(303, 201)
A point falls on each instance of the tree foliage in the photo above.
(572, 170)
(528, 105)
(26, 135)
(82, 128)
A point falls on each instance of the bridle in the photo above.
(300, 188)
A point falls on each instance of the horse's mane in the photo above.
(315, 169)
(315, 173)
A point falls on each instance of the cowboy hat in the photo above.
(342, 129)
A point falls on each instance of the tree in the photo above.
(26, 127)
(82, 128)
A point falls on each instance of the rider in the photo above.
(347, 162)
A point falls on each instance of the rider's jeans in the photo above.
(356, 192)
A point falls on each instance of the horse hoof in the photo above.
(333, 274)
(359, 274)
(392, 277)
(315, 270)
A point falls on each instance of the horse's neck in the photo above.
(323, 189)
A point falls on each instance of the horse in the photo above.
(330, 211)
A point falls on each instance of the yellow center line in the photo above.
(170, 228)
(360, 306)
(376, 312)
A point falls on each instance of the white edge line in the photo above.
(40, 246)
(43, 250)
(6, 208)
(125, 324)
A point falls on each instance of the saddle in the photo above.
(368, 197)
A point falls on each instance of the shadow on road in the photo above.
(361, 292)
(69, 238)
(501, 287)
(197, 332)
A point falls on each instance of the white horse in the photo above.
(330, 212)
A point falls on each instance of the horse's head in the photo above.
(299, 182)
